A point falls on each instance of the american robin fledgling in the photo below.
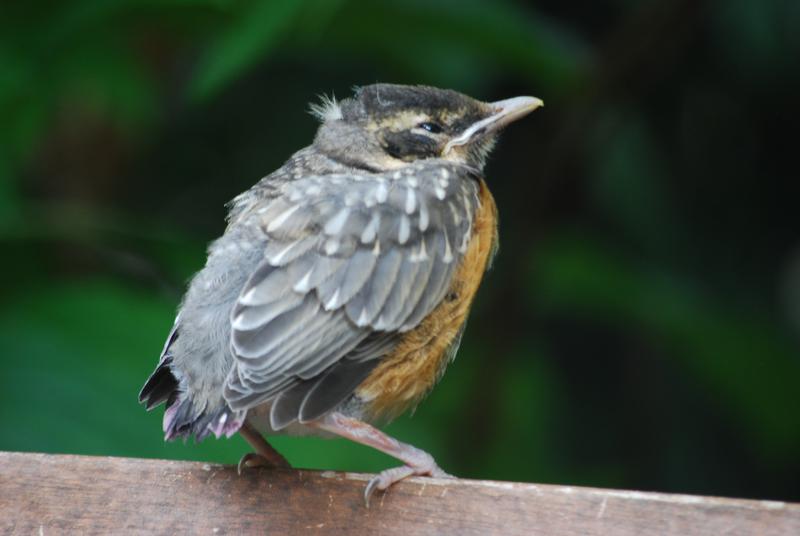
(338, 293)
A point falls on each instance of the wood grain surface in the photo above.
(54, 494)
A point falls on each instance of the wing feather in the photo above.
(350, 262)
(389, 317)
(438, 283)
(255, 344)
(252, 318)
(368, 302)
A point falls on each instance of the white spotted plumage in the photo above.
(404, 229)
(411, 201)
(280, 220)
(334, 225)
(340, 269)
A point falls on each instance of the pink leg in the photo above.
(264, 455)
(417, 462)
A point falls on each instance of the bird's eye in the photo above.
(433, 128)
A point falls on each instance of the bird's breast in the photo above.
(409, 372)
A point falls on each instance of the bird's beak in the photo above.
(504, 112)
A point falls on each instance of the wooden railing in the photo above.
(45, 494)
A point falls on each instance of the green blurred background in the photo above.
(640, 328)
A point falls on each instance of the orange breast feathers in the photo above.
(406, 375)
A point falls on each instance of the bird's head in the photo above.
(388, 126)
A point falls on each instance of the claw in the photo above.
(370, 489)
(252, 459)
(383, 480)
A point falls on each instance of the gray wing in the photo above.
(351, 262)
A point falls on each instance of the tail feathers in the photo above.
(162, 383)
(159, 386)
(181, 419)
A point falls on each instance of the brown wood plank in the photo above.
(46, 494)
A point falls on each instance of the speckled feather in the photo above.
(347, 256)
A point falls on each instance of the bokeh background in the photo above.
(640, 328)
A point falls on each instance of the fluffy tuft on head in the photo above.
(327, 109)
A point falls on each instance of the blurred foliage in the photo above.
(640, 328)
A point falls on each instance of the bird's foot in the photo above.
(417, 462)
(383, 480)
(265, 455)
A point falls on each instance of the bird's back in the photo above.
(197, 358)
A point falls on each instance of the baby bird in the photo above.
(339, 291)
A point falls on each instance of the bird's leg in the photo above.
(417, 462)
(265, 454)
